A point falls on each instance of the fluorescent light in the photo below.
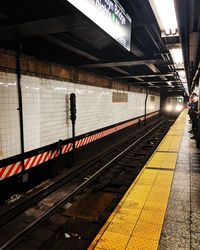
(182, 76)
(177, 57)
(169, 83)
(183, 79)
(164, 11)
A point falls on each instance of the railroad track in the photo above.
(111, 175)
(9, 211)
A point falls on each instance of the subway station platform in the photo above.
(161, 209)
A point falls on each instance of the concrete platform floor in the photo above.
(161, 209)
(181, 229)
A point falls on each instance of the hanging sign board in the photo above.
(108, 15)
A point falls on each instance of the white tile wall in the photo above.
(153, 105)
(46, 111)
(9, 116)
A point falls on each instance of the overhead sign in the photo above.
(110, 16)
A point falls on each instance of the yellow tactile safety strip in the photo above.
(136, 222)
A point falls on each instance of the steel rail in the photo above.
(12, 212)
(13, 240)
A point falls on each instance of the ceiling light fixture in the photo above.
(169, 83)
(166, 16)
(177, 57)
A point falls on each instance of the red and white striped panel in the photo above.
(95, 137)
(79, 143)
(66, 148)
(109, 131)
(39, 159)
(33, 161)
(10, 170)
(87, 140)
(156, 113)
(127, 124)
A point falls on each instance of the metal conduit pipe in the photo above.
(20, 108)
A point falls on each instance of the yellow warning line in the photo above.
(136, 222)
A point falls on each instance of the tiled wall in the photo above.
(9, 116)
(46, 111)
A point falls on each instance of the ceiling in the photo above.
(56, 31)
(188, 15)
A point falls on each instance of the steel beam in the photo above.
(75, 50)
(154, 82)
(43, 27)
(80, 52)
(143, 76)
(153, 67)
(136, 51)
(148, 62)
